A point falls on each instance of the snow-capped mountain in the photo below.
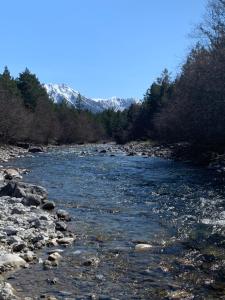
(60, 92)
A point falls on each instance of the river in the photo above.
(117, 201)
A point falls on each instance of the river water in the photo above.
(118, 201)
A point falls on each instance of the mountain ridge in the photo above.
(60, 92)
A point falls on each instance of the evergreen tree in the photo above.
(31, 89)
(8, 84)
(79, 102)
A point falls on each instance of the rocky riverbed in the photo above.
(28, 222)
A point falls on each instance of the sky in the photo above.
(102, 48)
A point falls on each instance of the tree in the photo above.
(79, 102)
(8, 83)
(31, 89)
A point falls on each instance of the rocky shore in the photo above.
(28, 222)
(179, 151)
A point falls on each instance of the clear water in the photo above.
(117, 202)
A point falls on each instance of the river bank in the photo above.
(28, 223)
(185, 152)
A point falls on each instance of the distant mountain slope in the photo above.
(60, 92)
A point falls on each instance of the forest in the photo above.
(188, 108)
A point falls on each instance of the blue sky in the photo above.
(102, 48)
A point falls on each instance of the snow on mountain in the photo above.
(60, 92)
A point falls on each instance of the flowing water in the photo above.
(118, 201)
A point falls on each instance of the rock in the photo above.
(13, 239)
(12, 260)
(143, 247)
(91, 261)
(10, 230)
(43, 218)
(8, 189)
(29, 256)
(7, 291)
(61, 226)
(52, 242)
(48, 205)
(32, 200)
(131, 154)
(53, 280)
(35, 149)
(12, 173)
(65, 241)
(21, 189)
(55, 256)
(18, 247)
(17, 210)
(48, 264)
(102, 151)
(63, 215)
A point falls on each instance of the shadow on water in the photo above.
(119, 201)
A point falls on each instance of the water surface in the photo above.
(117, 201)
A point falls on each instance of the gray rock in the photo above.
(12, 260)
(7, 291)
(12, 173)
(48, 205)
(18, 247)
(65, 241)
(61, 226)
(32, 200)
(63, 215)
(55, 256)
(35, 149)
(13, 239)
(21, 189)
(29, 256)
(17, 210)
(9, 230)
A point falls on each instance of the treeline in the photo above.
(28, 114)
(189, 108)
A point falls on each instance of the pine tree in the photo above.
(8, 84)
(31, 89)
(79, 102)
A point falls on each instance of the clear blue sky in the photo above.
(102, 48)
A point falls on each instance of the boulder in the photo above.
(31, 200)
(21, 189)
(61, 226)
(54, 256)
(35, 149)
(10, 230)
(12, 260)
(7, 291)
(8, 189)
(63, 215)
(9, 174)
(65, 241)
(18, 247)
(48, 205)
(102, 151)
(29, 256)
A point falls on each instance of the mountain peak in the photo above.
(60, 92)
